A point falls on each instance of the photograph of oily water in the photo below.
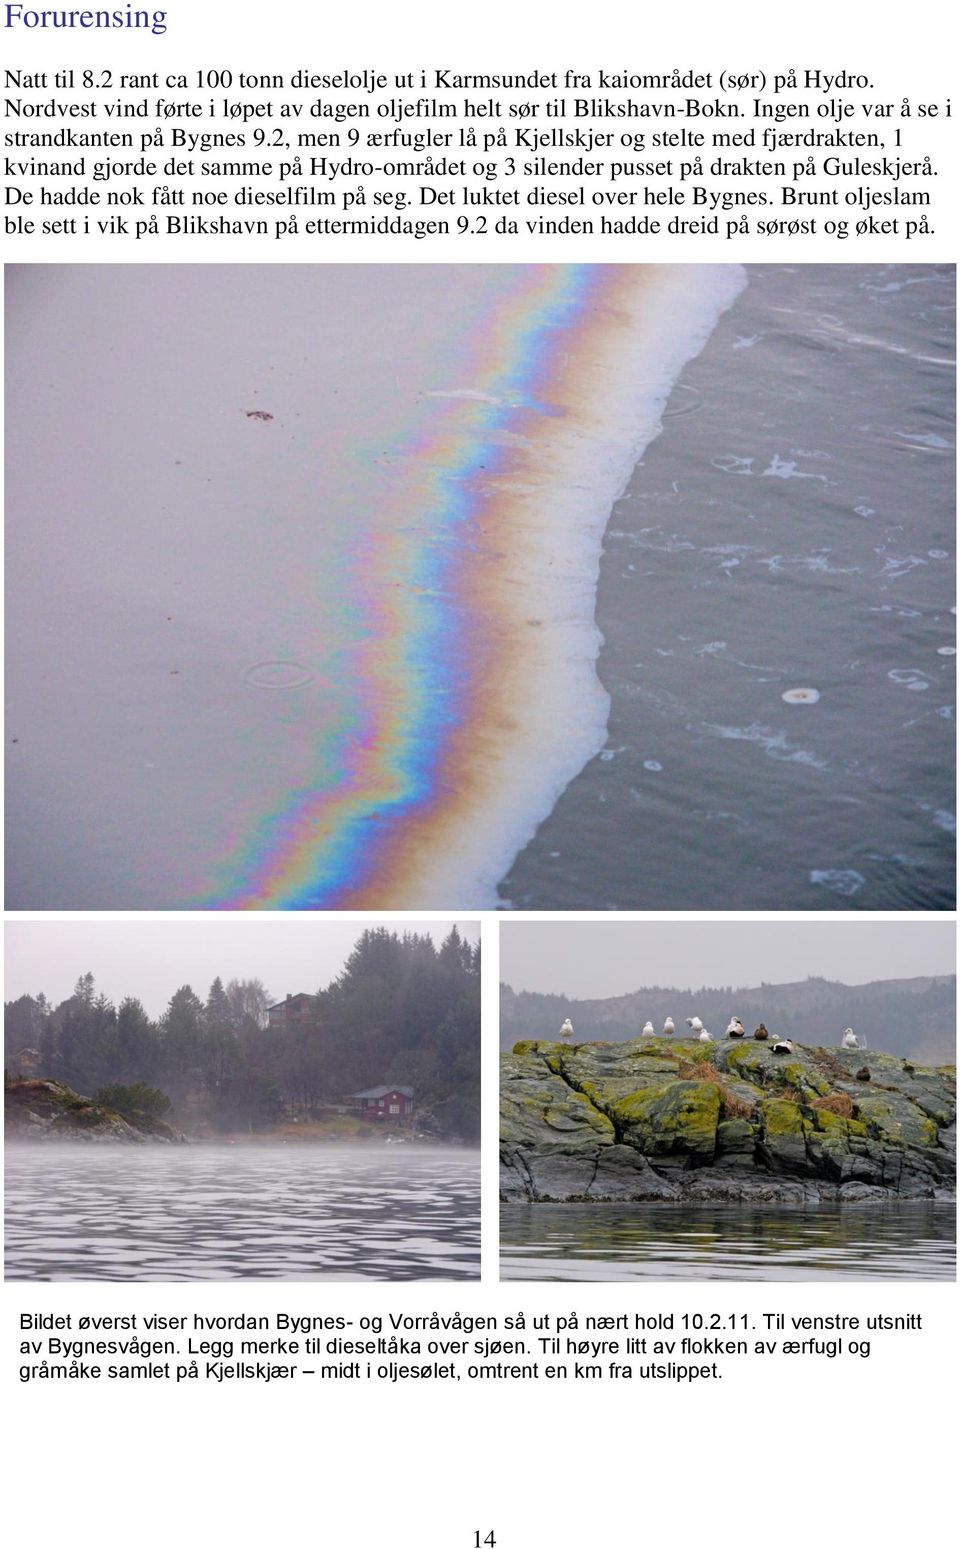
(575, 587)
(222, 1104)
(777, 1103)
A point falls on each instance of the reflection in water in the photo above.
(659, 1242)
(268, 1212)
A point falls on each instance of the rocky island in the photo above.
(675, 1120)
(49, 1111)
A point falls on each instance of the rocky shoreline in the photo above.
(40, 1109)
(673, 1120)
(49, 1112)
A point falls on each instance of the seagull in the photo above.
(695, 1025)
(566, 1030)
(648, 1029)
(704, 1035)
(668, 1025)
(735, 1028)
(850, 1039)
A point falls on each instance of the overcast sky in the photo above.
(587, 960)
(151, 959)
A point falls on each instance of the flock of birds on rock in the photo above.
(735, 1029)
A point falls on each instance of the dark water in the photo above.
(631, 1242)
(295, 1212)
(793, 526)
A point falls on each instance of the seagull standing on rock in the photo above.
(668, 1027)
(850, 1039)
(566, 1031)
(648, 1029)
(704, 1035)
(695, 1025)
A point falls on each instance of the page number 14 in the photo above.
(480, 1542)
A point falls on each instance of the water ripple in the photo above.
(662, 1242)
(296, 1212)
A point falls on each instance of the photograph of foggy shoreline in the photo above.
(166, 1127)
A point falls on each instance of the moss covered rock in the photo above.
(46, 1110)
(672, 1118)
(736, 1137)
(677, 1120)
(538, 1108)
(892, 1117)
(784, 1135)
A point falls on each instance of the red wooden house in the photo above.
(388, 1104)
(291, 1011)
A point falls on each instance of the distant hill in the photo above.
(401, 1012)
(915, 1018)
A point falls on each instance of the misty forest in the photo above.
(401, 1012)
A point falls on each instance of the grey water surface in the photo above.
(188, 447)
(660, 1242)
(259, 1211)
(792, 527)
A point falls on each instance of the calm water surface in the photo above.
(627, 1242)
(267, 1212)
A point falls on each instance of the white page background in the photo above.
(785, 1451)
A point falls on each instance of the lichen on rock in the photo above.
(40, 1109)
(672, 1119)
